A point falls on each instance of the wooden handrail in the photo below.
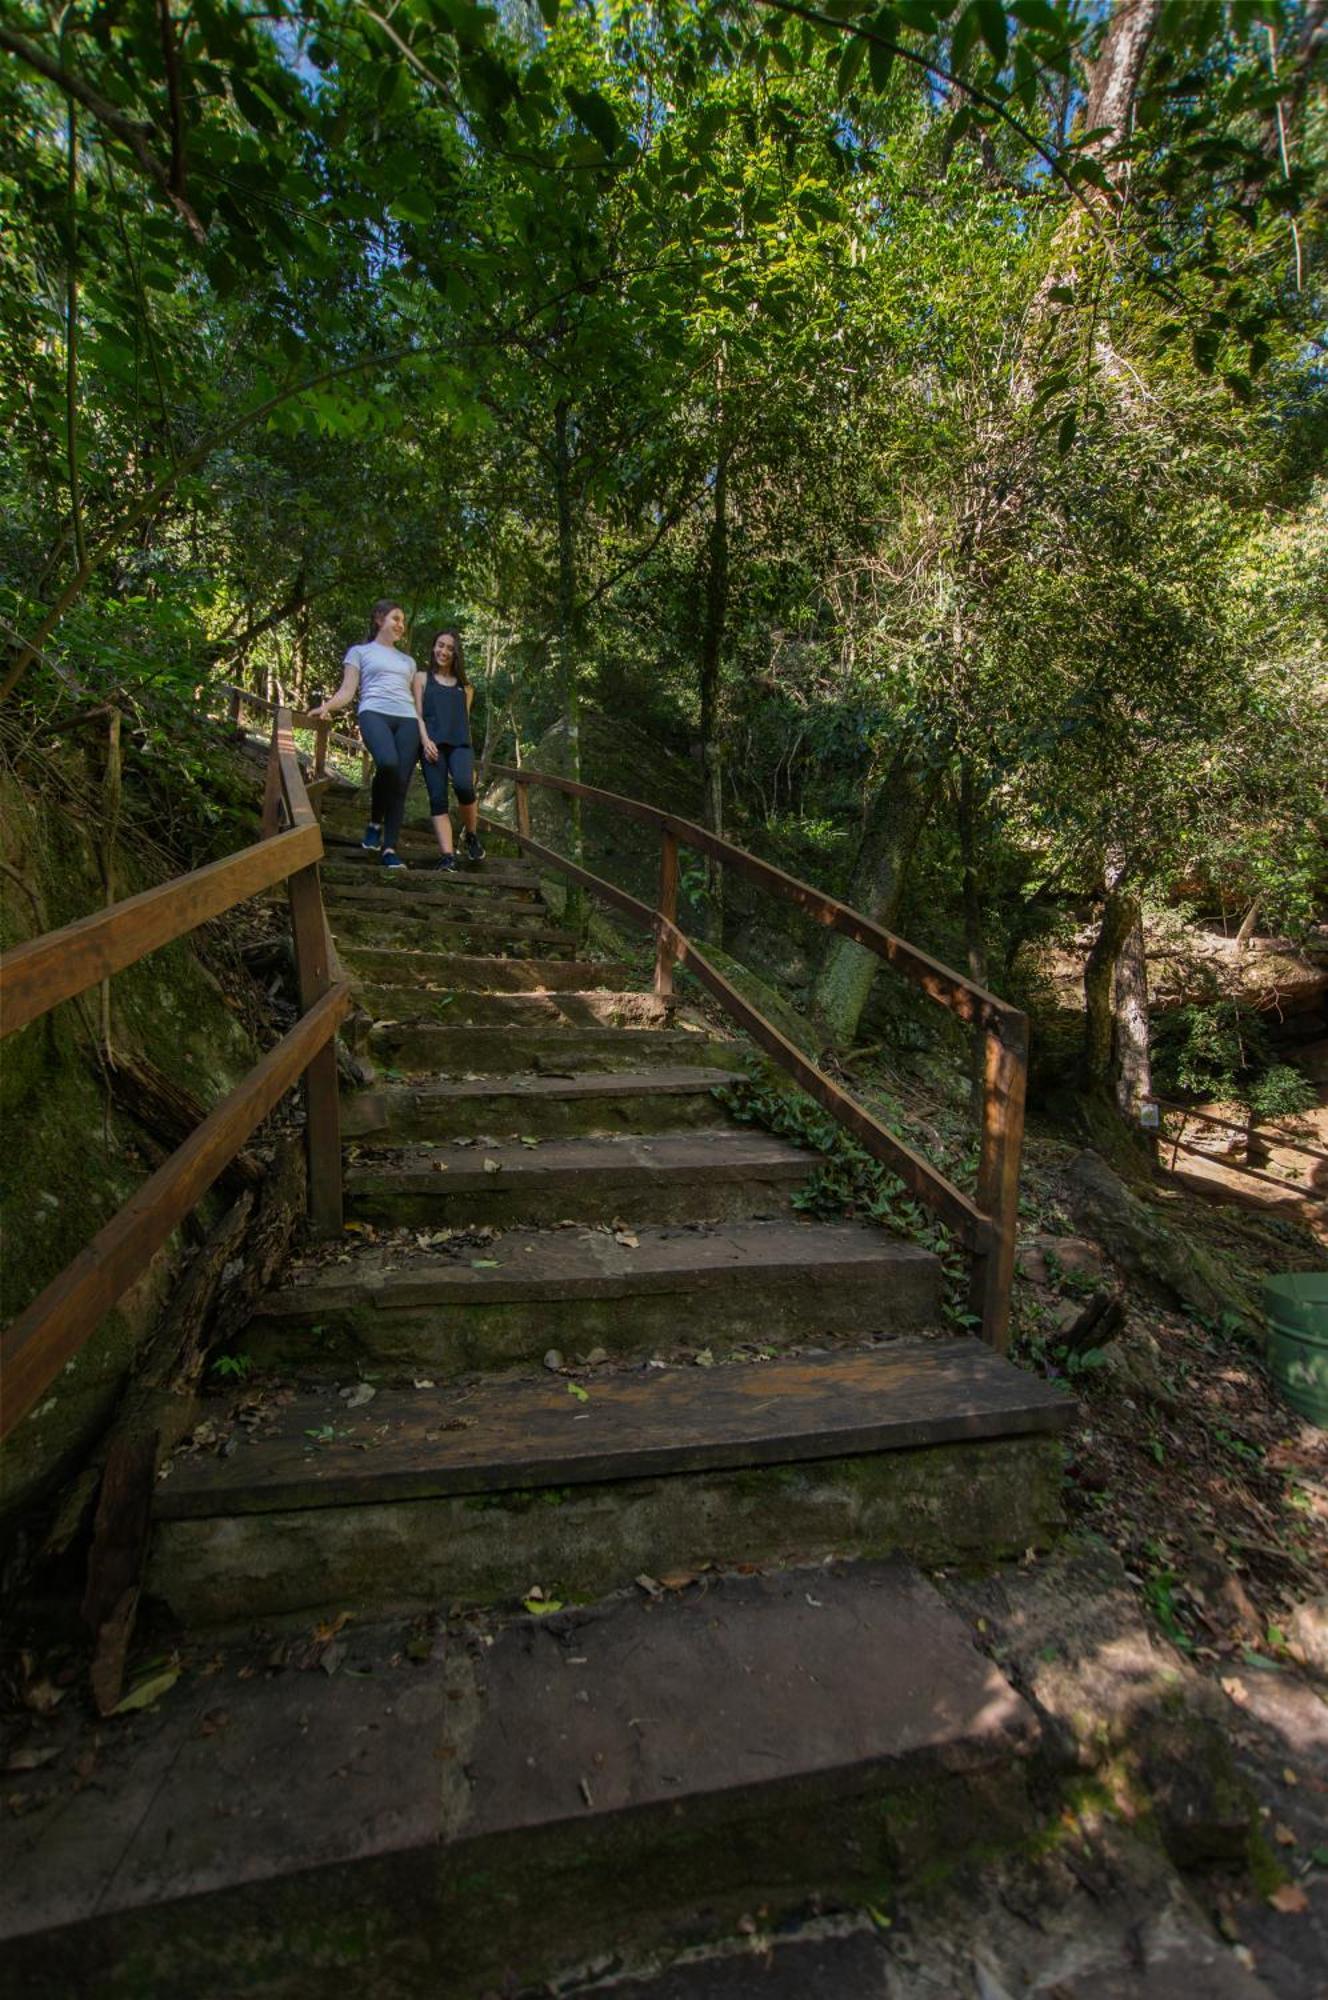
(986, 1225)
(961, 996)
(302, 718)
(1260, 1133)
(40, 974)
(35, 1347)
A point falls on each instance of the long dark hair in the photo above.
(379, 613)
(458, 657)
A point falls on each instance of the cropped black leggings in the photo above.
(393, 741)
(457, 762)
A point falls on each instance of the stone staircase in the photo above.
(577, 1347)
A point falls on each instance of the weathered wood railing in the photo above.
(38, 975)
(1265, 1140)
(239, 699)
(985, 1223)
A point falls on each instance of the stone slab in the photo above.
(401, 969)
(604, 1101)
(533, 1432)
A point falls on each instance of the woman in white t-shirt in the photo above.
(383, 676)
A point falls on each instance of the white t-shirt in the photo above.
(385, 678)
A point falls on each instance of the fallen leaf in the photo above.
(627, 1238)
(704, 1359)
(424, 1383)
(148, 1691)
(649, 1585)
(1283, 1835)
(678, 1579)
(440, 1166)
(1290, 1899)
(575, 1389)
(1237, 1690)
(493, 1166)
(484, 1264)
(1288, 1776)
(362, 1392)
(526, 1141)
(42, 1696)
(30, 1758)
(540, 1606)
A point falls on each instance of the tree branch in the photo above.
(133, 134)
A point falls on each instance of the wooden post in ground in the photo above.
(237, 700)
(322, 731)
(667, 908)
(322, 1107)
(1005, 1076)
(522, 809)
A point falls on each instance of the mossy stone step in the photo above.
(676, 1177)
(600, 1781)
(436, 1048)
(504, 1303)
(473, 891)
(934, 1448)
(389, 969)
(608, 1101)
(604, 1009)
(431, 895)
(410, 920)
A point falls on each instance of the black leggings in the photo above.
(457, 762)
(393, 741)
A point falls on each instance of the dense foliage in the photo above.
(922, 399)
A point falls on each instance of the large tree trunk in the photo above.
(1115, 1060)
(712, 650)
(896, 818)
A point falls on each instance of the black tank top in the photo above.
(445, 714)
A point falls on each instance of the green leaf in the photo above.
(147, 1692)
(855, 54)
(991, 20)
(967, 30)
(1204, 346)
(1065, 435)
(575, 1389)
(880, 61)
(549, 12)
(539, 1607)
(597, 115)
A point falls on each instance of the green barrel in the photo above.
(1297, 1307)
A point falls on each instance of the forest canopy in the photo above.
(916, 412)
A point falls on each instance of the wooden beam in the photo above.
(37, 976)
(322, 1104)
(36, 1346)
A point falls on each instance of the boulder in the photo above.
(1155, 1256)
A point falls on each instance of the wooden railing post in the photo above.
(522, 809)
(322, 1108)
(322, 732)
(237, 700)
(271, 820)
(667, 908)
(1005, 1075)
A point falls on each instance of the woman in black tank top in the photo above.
(442, 704)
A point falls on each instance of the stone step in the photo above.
(607, 1009)
(390, 969)
(629, 1775)
(503, 1304)
(352, 862)
(469, 893)
(435, 1048)
(678, 1177)
(411, 920)
(937, 1449)
(547, 1107)
(431, 895)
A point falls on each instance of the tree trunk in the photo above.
(895, 820)
(1115, 1062)
(566, 636)
(975, 930)
(712, 649)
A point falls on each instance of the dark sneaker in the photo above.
(373, 838)
(446, 864)
(474, 846)
(391, 859)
